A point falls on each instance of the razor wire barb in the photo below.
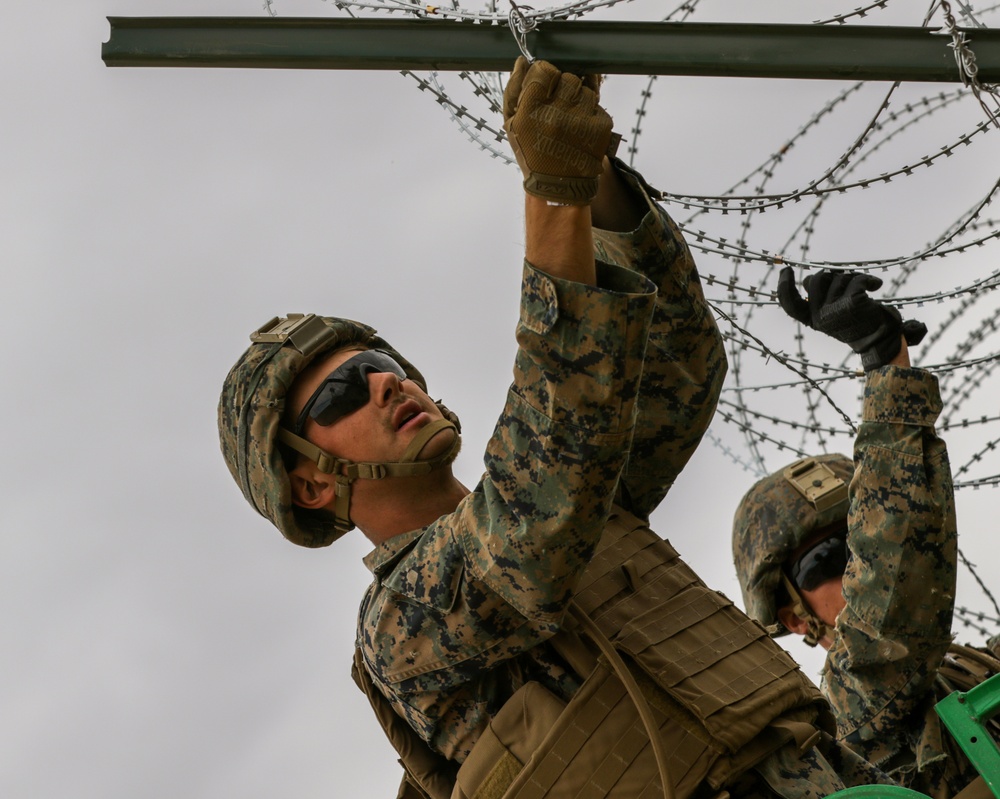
(965, 60)
(521, 24)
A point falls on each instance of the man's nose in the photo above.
(383, 386)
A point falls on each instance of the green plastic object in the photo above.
(965, 715)
(878, 792)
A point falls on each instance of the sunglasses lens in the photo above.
(827, 559)
(340, 399)
(345, 390)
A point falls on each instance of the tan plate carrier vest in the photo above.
(659, 650)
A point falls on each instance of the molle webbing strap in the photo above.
(965, 666)
(686, 753)
(708, 657)
(597, 749)
(639, 701)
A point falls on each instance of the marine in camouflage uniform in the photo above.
(884, 606)
(460, 610)
(614, 385)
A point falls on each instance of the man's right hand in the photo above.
(839, 306)
(557, 130)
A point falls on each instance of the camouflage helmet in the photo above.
(251, 406)
(775, 517)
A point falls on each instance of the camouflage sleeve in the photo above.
(900, 581)
(685, 362)
(559, 447)
(455, 605)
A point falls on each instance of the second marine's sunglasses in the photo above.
(825, 559)
(345, 389)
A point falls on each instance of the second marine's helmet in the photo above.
(774, 518)
(250, 412)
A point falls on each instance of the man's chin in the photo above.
(441, 443)
(456, 440)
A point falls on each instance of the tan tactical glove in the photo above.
(557, 130)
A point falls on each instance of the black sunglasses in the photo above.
(345, 389)
(825, 559)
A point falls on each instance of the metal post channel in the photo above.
(845, 52)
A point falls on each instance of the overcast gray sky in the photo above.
(158, 638)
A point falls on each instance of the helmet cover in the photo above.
(252, 404)
(773, 519)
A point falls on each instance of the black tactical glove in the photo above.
(557, 130)
(839, 306)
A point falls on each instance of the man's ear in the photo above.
(792, 621)
(312, 488)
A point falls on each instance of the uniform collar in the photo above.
(387, 553)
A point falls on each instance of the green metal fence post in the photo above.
(965, 715)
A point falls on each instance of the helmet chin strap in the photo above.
(346, 472)
(409, 464)
(815, 628)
